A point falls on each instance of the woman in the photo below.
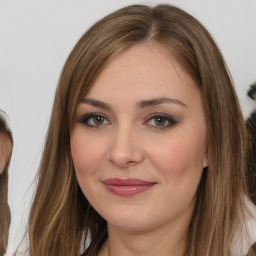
(145, 149)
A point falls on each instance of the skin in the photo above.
(129, 142)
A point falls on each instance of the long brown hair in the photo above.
(61, 218)
(6, 146)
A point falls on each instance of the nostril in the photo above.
(130, 163)
(125, 158)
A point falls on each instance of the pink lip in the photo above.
(127, 187)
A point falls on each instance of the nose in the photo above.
(125, 148)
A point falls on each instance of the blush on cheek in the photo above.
(83, 163)
(178, 158)
(85, 157)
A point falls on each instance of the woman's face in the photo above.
(139, 141)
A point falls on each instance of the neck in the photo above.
(149, 243)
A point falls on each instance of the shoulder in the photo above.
(251, 223)
(252, 219)
(245, 235)
(17, 254)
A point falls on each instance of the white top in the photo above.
(245, 237)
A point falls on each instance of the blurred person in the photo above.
(251, 126)
(6, 145)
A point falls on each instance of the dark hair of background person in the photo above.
(251, 163)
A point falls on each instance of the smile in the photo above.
(127, 187)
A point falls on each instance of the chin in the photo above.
(130, 220)
(131, 224)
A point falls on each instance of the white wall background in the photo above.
(37, 36)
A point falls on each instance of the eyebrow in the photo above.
(158, 101)
(140, 104)
(96, 103)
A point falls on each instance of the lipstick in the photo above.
(127, 187)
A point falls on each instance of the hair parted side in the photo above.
(60, 216)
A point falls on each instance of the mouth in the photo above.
(127, 187)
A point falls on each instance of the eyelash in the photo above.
(86, 118)
(170, 120)
(166, 118)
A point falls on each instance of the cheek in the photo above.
(180, 164)
(86, 153)
(179, 158)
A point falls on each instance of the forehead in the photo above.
(143, 71)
